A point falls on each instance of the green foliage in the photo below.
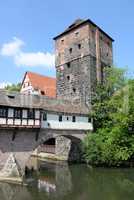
(13, 87)
(112, 142)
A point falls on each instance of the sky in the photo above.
(28, 27)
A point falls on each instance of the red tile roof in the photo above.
(43, 83)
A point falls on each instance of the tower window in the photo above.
(67, 118)
(93, 31)
(73, 119)
(68, 78)
(62, 41)
(42, 93)
(60, 118)
(70, 50)
(108, 43)
(76, 34)
(79, 46)
(74, 90)
(68, 65)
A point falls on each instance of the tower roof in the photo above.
(79, 22)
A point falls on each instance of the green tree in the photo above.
(112, 142)
(101, 104)
(13, 87)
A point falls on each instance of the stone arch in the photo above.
(25, 143)
(67, 147)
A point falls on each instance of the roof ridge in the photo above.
(38, 74)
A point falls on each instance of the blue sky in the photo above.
(28, 26)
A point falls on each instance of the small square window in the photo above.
(70, 50)
(73, 119)
(68, 78)
(93, 31)
(68, 65)
(76, 34)
(79, 46)
(62, 41)
(74, 90)
(89, 119)
(42, 93)
(44, 116)
(108, 43)
(60, 118)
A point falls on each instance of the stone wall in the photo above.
(81, 56)
(25, 142)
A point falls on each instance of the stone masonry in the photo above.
(82, 53)
(26, 142)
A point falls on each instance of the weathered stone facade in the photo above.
(25, 142)
(82, 52)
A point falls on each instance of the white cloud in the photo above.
(12, 48)
(35, 59)
(21, 58)
(4, 84)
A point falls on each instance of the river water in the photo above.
(74, 182)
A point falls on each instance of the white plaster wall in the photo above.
(81, 119)
(64, 118)
(27, 88)
(37, 122)
(10, 121)
(24, 122)
(52, 117)
(17, 122)
(2, 121)
(30, 122)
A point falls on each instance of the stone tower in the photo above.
(82, 51)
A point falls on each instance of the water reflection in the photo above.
(55, 179)
(14, 192)
(75, 182)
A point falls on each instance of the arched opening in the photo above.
(68, 148)
(48, 146)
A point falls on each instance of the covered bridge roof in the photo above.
(16, 99)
